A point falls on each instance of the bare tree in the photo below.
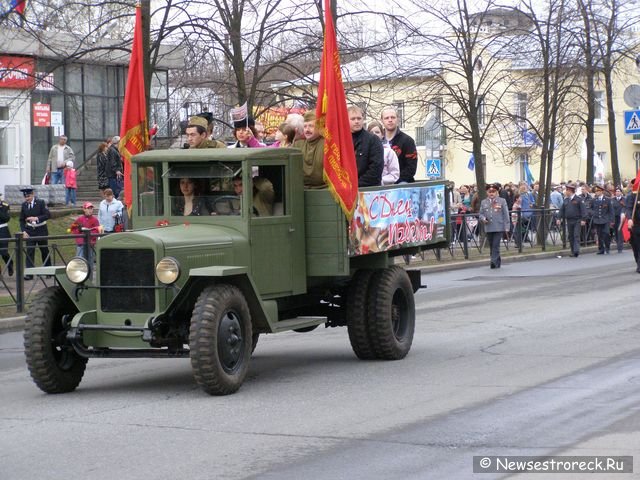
(552, 55)
(614, 41)
(471, 72)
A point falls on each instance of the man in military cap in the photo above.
(573, 213)
(198, 134)
(33, 222)
(602, 219)
(494, 214)
(5, 216)
(618, 201)
(632, 212)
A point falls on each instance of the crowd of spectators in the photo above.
(524, 204)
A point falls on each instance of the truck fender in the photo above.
(262, 315)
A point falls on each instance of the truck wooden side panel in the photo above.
(326, 235)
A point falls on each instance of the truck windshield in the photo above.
(150, 194)
(204, 189)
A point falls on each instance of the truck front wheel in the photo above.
(220, 339)
(53, 363)
(392, 313)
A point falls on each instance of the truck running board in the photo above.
(298, 322)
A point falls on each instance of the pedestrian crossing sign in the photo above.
(434, 169)
(632, 121)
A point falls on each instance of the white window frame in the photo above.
(600, 107)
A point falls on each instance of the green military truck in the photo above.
(247, 261)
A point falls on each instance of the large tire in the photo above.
(358, 315)
(53, 363)
(392, 313)
(220, 339)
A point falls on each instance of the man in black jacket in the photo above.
(33, 223)
(402, 144)
(368, 150)
(574, 215)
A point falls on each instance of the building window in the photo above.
(526, 174)
(436, 109)
(4, 113)
(4, 147)
(600, 109)
(399, 106)
(481, 110)
(7, 145)
(521, 110)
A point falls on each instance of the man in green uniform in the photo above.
(198, 136)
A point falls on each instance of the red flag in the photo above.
(18, 6)
(626, 233)
(340, 172)
(134, 131)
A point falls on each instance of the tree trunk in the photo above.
(611, 117)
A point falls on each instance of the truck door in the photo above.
(277, 244)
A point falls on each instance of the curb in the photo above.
(12, 324)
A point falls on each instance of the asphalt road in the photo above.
(536, 358)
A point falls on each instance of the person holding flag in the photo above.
(340, 172)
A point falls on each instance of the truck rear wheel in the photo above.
(392, 313)
(220, 339)
(53, 363)
(358, 315)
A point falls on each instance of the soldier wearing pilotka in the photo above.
(574, 214)
(632, 212)
(198, 134)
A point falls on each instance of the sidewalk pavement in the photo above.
(17, 322)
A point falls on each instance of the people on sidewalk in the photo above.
(33, 223)
(83, 223)
(109, 211)
(59, 155)
(70, 184)
(573, 214)
(5, 234)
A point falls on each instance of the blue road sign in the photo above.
(433, 168)
(632, 121)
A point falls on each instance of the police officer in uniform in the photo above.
(33, 222)
(573, 213)
(632, 212)
(5, 216)
(618, 202)
(602, 219)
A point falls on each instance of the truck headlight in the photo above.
(77, 270)
(168, 270)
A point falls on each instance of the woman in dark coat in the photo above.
(103, 166)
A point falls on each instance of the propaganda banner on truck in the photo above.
(396, 218)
